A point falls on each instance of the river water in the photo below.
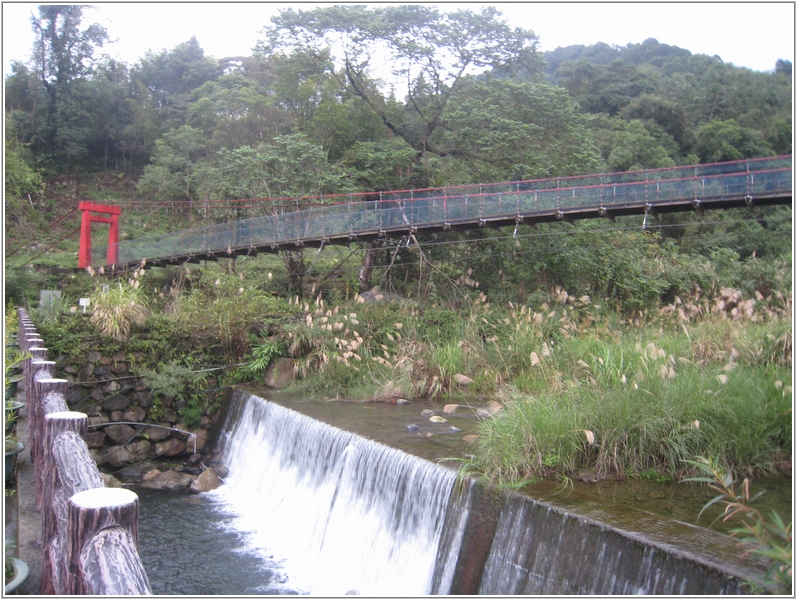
(190, 546)
(211, 544)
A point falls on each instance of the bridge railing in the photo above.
(408, 209)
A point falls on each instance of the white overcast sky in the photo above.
(747, 34)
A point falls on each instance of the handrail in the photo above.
(475, 204)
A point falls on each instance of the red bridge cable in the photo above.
(53, 224)
(68, 235)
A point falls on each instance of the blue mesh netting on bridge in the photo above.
(343, 217)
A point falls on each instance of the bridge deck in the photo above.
(396, 214)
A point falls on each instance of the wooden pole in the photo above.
(103, 544)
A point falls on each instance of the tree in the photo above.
(168, 78)
(628, 145)
(235, 111)
(783, 66)
(174, 164)
(727, 140)
(429, 53)
(64, 56)
(510, 129)
(20, 178)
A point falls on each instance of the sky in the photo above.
(747, 34)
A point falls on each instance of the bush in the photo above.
(114, 311)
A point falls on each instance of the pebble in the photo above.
(427, 413)
(412, 427)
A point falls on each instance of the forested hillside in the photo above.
(345, 99)
(619, 347)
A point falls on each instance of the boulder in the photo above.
(135, 414)
(119, 368)
(99, 456)
(169, 480)
(279, 373)
(73, 396)
(93, 356)
(143, 397)
(206, 481)
(201, 440)
(110, 480)
(134, 452)
(119, 434)
(170, 447)
(98, 420)
(116, 402)
(157, 434)
(94, 439)
(137, 470)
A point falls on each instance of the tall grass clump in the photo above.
(115, 309)
(223, 309)
(626, 409)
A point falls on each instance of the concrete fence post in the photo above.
(39, 370)
(103, 544)
(44, 387)
(61, 430)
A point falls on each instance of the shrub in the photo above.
(114, 311)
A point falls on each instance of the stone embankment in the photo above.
(129, 433)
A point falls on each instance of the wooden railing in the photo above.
(89, 531)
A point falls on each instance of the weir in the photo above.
(350, 515)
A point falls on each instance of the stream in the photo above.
(204, 545)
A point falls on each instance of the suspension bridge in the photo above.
(343, 219)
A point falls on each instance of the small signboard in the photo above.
(84, 302)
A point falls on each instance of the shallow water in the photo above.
(388, 423)
(188, 547)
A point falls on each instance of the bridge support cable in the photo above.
(344, 219)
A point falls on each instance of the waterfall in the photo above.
(343, 512)
(334, 512)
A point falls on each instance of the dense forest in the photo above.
(479, 102)
(410, 98)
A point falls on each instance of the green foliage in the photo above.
(433, 69)
(517, 130)
(114, 311)
(633, 407)
(181, 382)
(172, 173)
(263, 354)
(769, 538)
(725, 140)
(291, 165)
(72, 335)
(222, 310)
(21, 179)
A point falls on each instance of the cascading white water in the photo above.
(343, 512)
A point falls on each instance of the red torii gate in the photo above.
(84, 256)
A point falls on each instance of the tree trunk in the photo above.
(294, 264)
(367, 266)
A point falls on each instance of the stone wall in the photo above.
(119, 404)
